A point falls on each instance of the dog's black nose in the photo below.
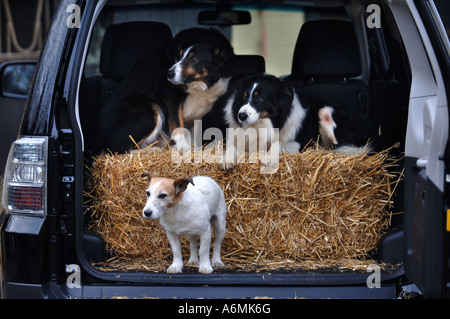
(170, 74)
(242, 116)
(147, 213)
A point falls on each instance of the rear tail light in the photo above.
(25, 180)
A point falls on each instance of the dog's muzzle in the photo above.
(171, 78)
(170, 74)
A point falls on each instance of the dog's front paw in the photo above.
(205, 269)
(175, 269)
(217, 264)
(228, 161)
(291, 147)
(227, 165)
(269, 163)
(182, 146)
(180, 143)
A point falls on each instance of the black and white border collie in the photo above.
(272, 108)
(202, 65)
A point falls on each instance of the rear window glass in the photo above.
(272, 33)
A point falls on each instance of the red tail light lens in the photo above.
(25, 198)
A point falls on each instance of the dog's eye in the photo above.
(194, 59)
(259, 99)
(162, 196)
(147, 193)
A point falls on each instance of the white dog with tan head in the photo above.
(189, 206)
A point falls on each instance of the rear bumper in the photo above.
(54, 291)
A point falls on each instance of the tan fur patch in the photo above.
(264, 115)
(180, 115)
(157, 111)
(172, 124)
(168, 187)
(202, 75)
(188, 71)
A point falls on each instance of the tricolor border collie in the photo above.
(166, 91)
(203, 60)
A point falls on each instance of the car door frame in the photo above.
(11, 112)
(427, 154)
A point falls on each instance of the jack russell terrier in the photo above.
(189, 210)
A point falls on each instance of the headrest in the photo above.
(248, 64)
(124, 44)
(326, 49)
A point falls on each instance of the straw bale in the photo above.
(319, 206)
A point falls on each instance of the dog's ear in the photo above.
(287, 92)
(219, 53)
(222, 54)
(181, 184)
(173, 51)
(285, 96)
(147, 174)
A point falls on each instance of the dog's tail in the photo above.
(354, 150)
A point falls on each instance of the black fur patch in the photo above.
(130, 110)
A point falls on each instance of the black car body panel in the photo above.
(38, 251)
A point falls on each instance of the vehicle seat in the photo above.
(123, 45)
(249, 64)
(327, 64)
(327, 69)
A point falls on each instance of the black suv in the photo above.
(401, 52)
